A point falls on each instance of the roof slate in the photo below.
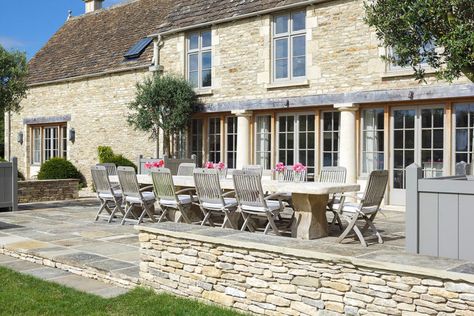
(96, 42)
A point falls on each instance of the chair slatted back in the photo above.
(101, 179)
(257, 168)
(186, 169)
(173, 164)
(332, 175)
(111, 170)
(163, 184)
(289, 175)
(248, 188)
(208, 186)
(128, 182)
(143, 161)
(375, 189)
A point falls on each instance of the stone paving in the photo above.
(64, 235)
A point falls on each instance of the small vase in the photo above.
(280, 176)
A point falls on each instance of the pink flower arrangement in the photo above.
(157, 164)
(280, 167)
(219, 166)
(299, 167)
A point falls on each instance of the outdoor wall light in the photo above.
(19, 138)
(72, 135)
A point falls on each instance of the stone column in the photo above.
(243, 137)
(347, 139)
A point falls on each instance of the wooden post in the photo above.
(14, 184)
(413, 174)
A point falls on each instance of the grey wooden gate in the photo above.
(9, 184)
(439, 215)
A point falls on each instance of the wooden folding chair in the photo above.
(366, 209)
(253, 203)
(333, 175)
(212, 199)
(186, 169)
(257, 168)
(110, 197)
(164, 189)
(134, 196)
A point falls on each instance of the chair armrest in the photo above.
(228, 193)
(146, 188)
(276, 196)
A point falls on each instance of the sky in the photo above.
(26, 25)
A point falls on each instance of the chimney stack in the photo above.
(93, 5)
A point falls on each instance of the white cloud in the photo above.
(10, 43)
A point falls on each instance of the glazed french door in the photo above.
(417, 136)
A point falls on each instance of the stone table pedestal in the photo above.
(310, 214)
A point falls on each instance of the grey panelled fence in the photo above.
(9, 185)
(439, 215)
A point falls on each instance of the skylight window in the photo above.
(138, 48)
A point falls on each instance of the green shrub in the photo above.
(58, 168)
(20, 175)
(107, 155)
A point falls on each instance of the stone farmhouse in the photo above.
(282, 80)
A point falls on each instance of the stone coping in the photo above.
(50, 180)
(388, 260)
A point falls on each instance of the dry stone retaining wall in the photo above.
(270, 283)
(47, 190)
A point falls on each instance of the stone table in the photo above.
(309, 199)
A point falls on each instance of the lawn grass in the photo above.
(25, 295)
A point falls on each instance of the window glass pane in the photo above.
(206, 60)
(281, 48)
(281, 24)
(206, 39)
(206, 78)
(194, 41)
(299, 45)
(299, 21)
(193, 79)
(193, 62)
(461, 115)
(281, 70)
(299, 66)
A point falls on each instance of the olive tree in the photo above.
(163, 102)
(439, 33)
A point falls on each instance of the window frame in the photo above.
(199, 51)
(198, 139)
(455, 128)
(218, 135)
(62, 142)
(233, 134)
(321, 133)
(296, 138)
(269, 134)
(289, 36)
(375, 131)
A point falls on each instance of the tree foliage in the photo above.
(411, 27)
(163, 102)
(13, 75)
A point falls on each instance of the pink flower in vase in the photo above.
(148, 165)
(209, 165)
(219, 166)
(299, 167)
(280, 167)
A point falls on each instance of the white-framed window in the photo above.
(372, 140)
(263, 141)
(49, 141)
(289, 46)
(231, 142)
(394, 67)
(214, 139)
(196, 140)
(330, 138)
(199, 59)
(296, 140)
(464, 132)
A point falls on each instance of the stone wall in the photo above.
(98, 110)
(47, 190)
(343, 55)
(271, 283)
